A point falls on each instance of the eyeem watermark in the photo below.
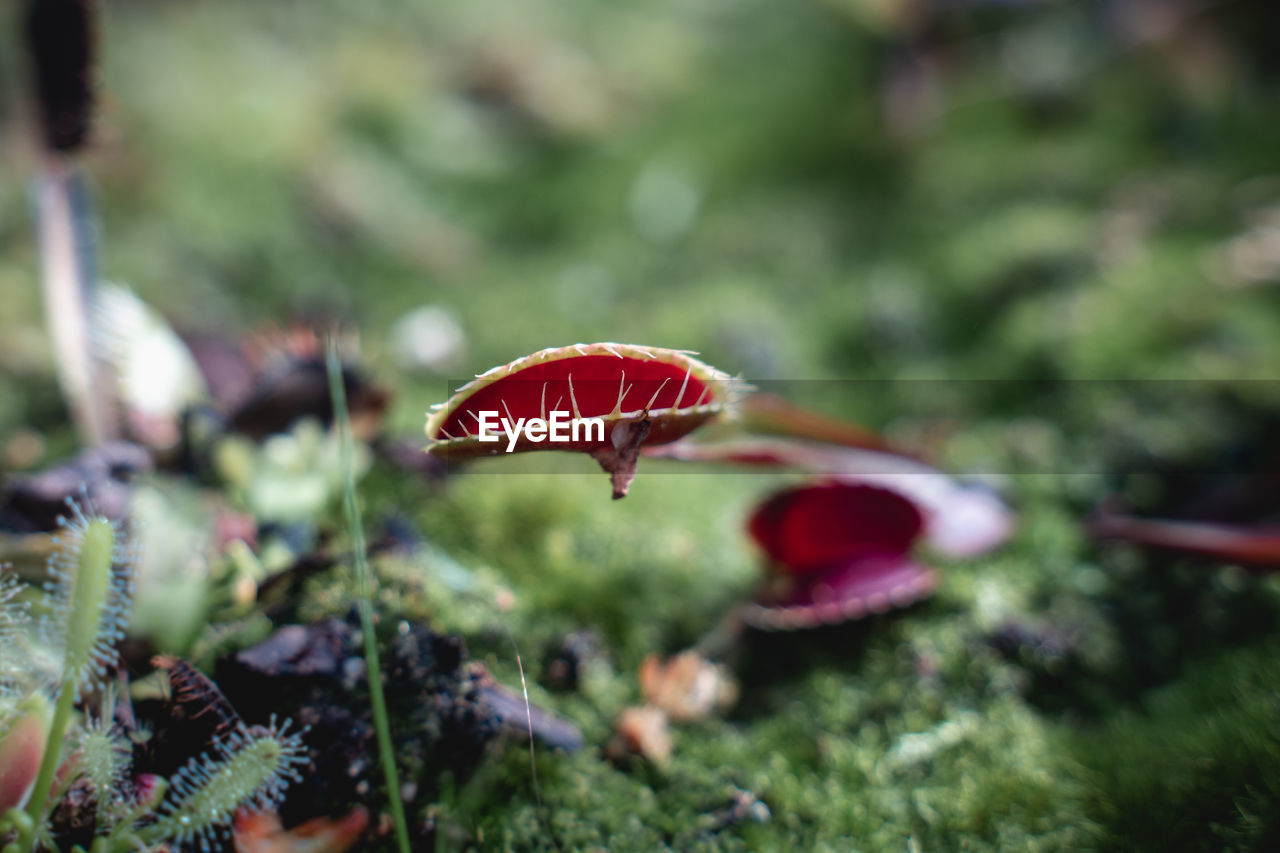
(560, 427)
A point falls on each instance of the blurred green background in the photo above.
(843, 190)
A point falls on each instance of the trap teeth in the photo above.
(682, 394)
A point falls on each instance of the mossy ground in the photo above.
(1033, 241)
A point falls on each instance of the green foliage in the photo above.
(1079, 226)
(910, 730)
(1197, 765)
(291, 477)
(89, 595)
(14, 619)
(105, 755)
(90, 590)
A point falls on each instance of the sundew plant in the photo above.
(58, 714)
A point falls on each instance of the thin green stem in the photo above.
(381, 723)
(52, 750)
(88, 595)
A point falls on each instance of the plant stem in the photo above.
(85, 605)
(373, 671)
(52, 750)
(716, 643)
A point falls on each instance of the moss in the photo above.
(1197, 763)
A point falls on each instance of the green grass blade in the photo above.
(342, 421)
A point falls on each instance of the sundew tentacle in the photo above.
(250, 768)
(104, 758)
(13, 613)
(15, 617)
(90, 588)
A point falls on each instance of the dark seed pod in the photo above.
(61, 39)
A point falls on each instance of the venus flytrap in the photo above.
(627, 397)
(21, 747)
